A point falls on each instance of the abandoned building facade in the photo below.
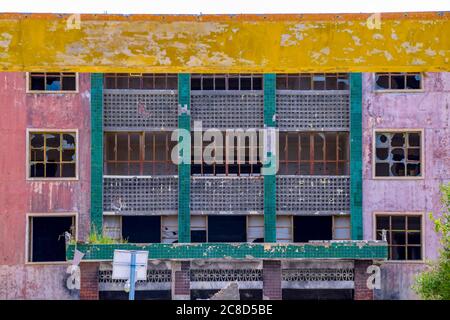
(87, 165)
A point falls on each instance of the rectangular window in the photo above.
(220, 82)
(398, 154)
(234, 157)
(313, 81)
(141, 81)
(403, 233)
(47, 237)
(408, 81)
(52, 81)
(308, 228)
(341, 228)
(141, 229)
(313, 153)
(227, 229)
(52, 154)
(139, 153)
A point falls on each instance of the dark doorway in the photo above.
(313, 228)
(141, 229)
(47, 238)
(227, 229)
(317, 294)
(138, 295)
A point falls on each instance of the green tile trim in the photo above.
(356, 193)
(322, 250)
(270, 213)
(96, 152)
(184, 169)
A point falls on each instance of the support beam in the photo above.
(272, 280)
(362, 292)
(228, 43)
(270, 210)
(89, 281)
(356, 194)
(97, 153)
(184, 169)
(181, 284)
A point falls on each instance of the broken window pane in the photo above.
(398, 81)
(48, 151)
(308, 228)
(141, 229)
(392, 150)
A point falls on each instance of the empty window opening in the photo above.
(52, 154)
(398, 81)
(227, 229)
(141, 81)
(52, 81)
(141, 229)
(47, 238)
(313, 153)
(404, 235)
(234, 156)
(313, 81)
(198, 229)
(397, 154)
(308, 228)
(220, 82)
(139, 153)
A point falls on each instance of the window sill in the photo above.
(52, 92)
(399, 91)
(52, 179)
(47, 263)
(398, 178)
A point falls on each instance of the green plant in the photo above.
(434, 283)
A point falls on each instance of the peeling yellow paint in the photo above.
(222, 43)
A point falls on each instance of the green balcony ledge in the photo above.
(351, 249)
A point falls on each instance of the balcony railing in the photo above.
(237, 195)
(140, 195)
(313, 194)
(313, 110)
(140, 109)
(228, 109)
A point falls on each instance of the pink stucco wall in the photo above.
(427, 110)
(18, 196)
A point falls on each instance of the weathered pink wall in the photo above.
(428, 110)
(18, 196)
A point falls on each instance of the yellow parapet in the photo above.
(225, 43)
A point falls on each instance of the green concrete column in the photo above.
(96, 153)
(270, 213)
(356, 156)
(184, 169)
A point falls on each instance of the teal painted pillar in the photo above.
(97, 153)
(184, 169)
(270, 212)
(356, 156)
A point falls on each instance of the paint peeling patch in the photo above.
(409, 48)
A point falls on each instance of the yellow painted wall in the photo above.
(223, 43)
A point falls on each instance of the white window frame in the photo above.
(28, 89)
(28, 239)
(27, 159)
(422, 153)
